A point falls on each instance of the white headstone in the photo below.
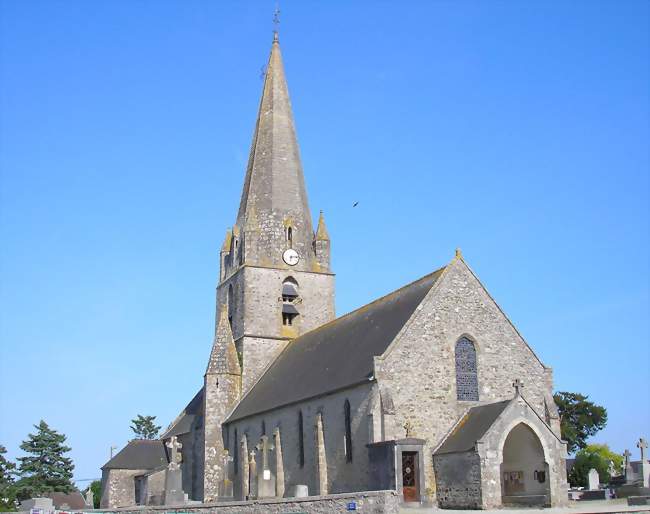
(300, 491)
(593, 479)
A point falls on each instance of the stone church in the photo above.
(430, 390)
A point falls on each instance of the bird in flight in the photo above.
(355, 204)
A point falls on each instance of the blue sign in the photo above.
(352, 506)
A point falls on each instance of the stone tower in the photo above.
(275, 281)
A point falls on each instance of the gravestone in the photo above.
(265, 480)
(174, 494)
(644, 468)
(226, 485)
(627, 470)
(593, 479)
(300, 491)
(252, 476)
(90, 500)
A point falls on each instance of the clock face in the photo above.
(291, 257)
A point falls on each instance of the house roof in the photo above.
(472, 427)
(336, 355)
(68, 501)
(139, 454)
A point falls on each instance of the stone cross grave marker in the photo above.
(642, 445)
(265, 446)
(626, 455)
(645, 471)
(175, 456)
(226, 484)
(593, 479)
(265, 486)
(627, 467)
(252, 475)
(174, 494)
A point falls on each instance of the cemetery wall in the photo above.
(375, 502)
(419, 367)
(343, 476)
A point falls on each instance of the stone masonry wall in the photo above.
(458, 478)
(155, 488)
(257, 312)
(342, 476)
(419, 367)
(371, 502)
(118, 487)
(221, 392)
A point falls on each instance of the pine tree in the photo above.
(45, 469)
(7, 488)
(144, 427)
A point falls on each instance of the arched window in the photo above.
(290, 235)
(301, 441)
(289, 300)
(348, 431)
(263, 427)
(466, 371)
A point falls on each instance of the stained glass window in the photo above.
(466, 373)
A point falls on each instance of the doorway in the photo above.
(410, 473)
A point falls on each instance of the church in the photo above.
(429, 391)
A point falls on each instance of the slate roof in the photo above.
(183, 423)
(336, 355)
(139, 454)
(472, 427)
(70, 501)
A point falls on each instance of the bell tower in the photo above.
(275, 281)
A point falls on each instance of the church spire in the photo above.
(274, 188)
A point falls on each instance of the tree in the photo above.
(579, 419)
(597, 456)
(45, 469)
(144, 427)
(7, 487)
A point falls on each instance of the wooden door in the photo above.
(410, 476)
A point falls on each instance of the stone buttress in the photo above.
(222, 388)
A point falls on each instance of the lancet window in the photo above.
(348, 431)
(466, 370)
(301, 440)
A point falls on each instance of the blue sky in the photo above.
(517, 131)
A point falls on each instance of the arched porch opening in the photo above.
(524, 469)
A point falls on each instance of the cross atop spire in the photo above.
(276, 22)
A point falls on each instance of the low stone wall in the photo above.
(370, 502)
